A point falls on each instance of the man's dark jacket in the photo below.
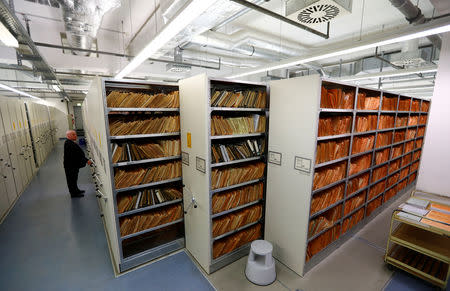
(73, 155)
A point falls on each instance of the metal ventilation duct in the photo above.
(415, 16)
(178, 67)
(411, 55)
(82, 19)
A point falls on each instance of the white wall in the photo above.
(434, 172)
(56, 102)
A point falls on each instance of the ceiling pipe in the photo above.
(225, 44)
(415, 16)
(89, 51)
(236, 16)
(249, 43)
(82, 19)
(190, 55)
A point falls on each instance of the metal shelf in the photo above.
(386, 129)
(331, 162)
(236, 162)
(136, 187)
(383, 147)
(359, 173)
(328, 186)
(382, 164)
(170, 158)
(366, 111)
(374, 198)
(150, 229)
(403, 167)
(318, 213)
(151, 254)
(213, 137)
(357, 133)
(354, 211)
(397, 143)
(320, 138)
(348, 197)
(237, 230)
(236, 208)
(393, 173)
(318, 257)
(134, 136)
(230, 257)
(323, 231)
(402, 179)
(242, 109)
(236, 186)
(377, 181)
(137, 109)
(143, 209)
(361, 154)
(410, 174)
(336, 110)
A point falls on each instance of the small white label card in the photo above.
(302, 164)
(274, 158)
(185, 158)
(200, 164)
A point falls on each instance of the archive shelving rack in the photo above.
(147, 239)
(200, 168)
(323, 186)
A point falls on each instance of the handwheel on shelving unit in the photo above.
(193, 201)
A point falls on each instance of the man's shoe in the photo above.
(78, 195)
(81, 191)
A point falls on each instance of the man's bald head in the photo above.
(71, 134)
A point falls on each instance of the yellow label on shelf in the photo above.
(189, 140)
(20, 124)
(14, 125)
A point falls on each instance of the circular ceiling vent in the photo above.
(318, 13)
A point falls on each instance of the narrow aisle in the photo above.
(50, 241)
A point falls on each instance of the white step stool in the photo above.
(260, 268)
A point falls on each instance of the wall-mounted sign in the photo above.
(185, 158)
(200, 164)
(274, 158)
(302, 164)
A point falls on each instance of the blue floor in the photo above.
(402, 281)
(52, 242)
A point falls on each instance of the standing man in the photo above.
(74, 159)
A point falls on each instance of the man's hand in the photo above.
(90, 162)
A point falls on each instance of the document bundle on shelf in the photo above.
(127, 177)
(118, 99)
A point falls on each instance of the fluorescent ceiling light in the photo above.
(411, 89)
(56, 88)
(7, 38)
(18, 92)
(78, 104)
(188, 13)
(433, 27)
(395, 73)
(423, 87)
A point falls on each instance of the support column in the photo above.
(434, 172)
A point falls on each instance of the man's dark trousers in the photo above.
(72, 177)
